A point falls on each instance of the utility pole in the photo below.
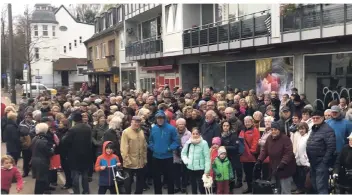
(28, 42)
(11, 64)
(5, 65)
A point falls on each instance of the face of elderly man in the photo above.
(228, 113)
(209, 116)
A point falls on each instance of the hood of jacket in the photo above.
(103, 148)
(161, 113)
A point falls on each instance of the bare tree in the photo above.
(4, 49)
(85, 12)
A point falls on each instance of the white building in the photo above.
(58, 47)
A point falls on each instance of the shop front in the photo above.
(128, 76)
(328, 77)
(268, 74)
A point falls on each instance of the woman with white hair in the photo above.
(41, 154)
(267, 132)
(12, 136)
(113, 134)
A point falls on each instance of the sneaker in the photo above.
(65, 187)
(54, 184)
(184, 191)
(146, 188)
(25, 175)
(51, 188)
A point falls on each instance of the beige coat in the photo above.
(133, 149)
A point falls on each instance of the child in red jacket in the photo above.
(216, 143)
(8, 173)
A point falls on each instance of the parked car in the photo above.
(36, 89)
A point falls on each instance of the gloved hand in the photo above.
(335, 175)
(218, 175)
(281, 166)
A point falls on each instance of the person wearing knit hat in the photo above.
(222, 150)
(223, 171)
(216, 143)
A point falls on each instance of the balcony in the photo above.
(316, 21)
(147, 49)
(255, 28)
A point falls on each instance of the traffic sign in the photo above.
(25, 66)
(3, 76)
(38, 77)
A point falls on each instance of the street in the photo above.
(93, 186)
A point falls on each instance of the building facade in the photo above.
(59, 55)
(246, 46)
(103, 50)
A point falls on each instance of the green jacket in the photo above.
(198, 156)
(222, 169)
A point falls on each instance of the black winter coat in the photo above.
(12, 137)
(231, 144)
(321, 144)
(285, 126)
(209, 131)
(97, 137)
(343, 165)
(41, 153)
(79, 141)
(115, 138)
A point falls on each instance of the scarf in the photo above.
(195, 141)
(225, 133)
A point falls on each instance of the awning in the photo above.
(156, 68)
(68, 64)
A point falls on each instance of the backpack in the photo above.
(240, 145)
(189, 145)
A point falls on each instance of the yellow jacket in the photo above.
(133, 149)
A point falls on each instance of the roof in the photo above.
(62, 6)
(68, 63)
(105, 32)
(43, 16)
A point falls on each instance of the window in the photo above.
(167, 18)
(111, 47)
(97, 26)
(35, 30)
(119, 14)
(103, 50)
(42, 88)
(36, 51)
(132, 7)
(64, 49)
(112, 18)
(80, 39)
(104, 23)
(97, 52)
(80, 71)
(54, 33)
(70, 46)
(149, 29)
(45, 30)
(90, 53)
(33, 87)
(174, 13)
(75, 42)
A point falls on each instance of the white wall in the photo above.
(74, 32)
(48, 50)
(172, 34)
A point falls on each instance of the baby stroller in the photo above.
(119, 175)
(261, 186)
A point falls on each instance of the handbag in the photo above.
(55, 162)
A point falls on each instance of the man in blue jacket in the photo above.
(341, 126)
(163, 141)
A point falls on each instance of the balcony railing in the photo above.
(316, 15)
(245, 27)
(146, 47)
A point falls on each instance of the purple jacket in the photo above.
(185, 137)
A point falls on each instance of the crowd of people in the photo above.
(169, 139)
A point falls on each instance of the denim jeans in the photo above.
(75, 181)
(319, 176)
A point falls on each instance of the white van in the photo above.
(37, 88)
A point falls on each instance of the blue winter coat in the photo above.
(343, 129)
(163, 139)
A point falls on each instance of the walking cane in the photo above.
(113, 173)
